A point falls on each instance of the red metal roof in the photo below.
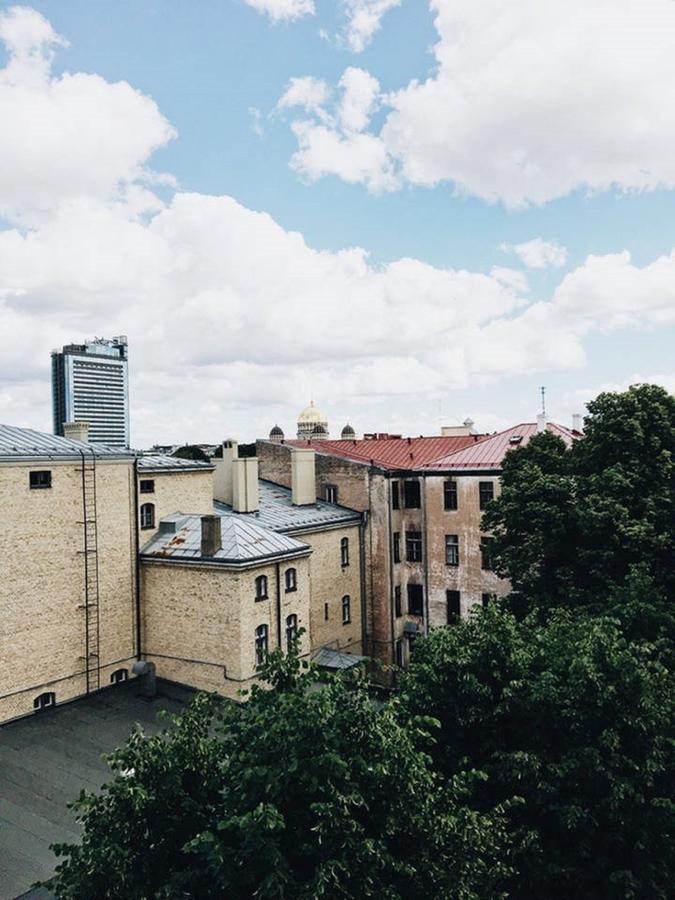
(489, 452)
(393, 452)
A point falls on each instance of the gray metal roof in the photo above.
(327, 658)
(278, 513)
(243, 541)
(158, 463)
(22, 443)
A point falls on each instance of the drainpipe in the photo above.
(362, 577)
(137, 548)
(278, 605)
(425, 550)
(390, 555)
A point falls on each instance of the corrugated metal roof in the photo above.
(243, 541)
(278, 513)
(159, 463)
(326, 658)
(393, 452)
(490, 451)
(18, 443)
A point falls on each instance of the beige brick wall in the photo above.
(199, 621)
(42, 622)
(185, 492)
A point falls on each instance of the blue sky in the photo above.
(217, 71)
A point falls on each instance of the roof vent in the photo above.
(515, 438)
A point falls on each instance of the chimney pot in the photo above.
(577, 422)
(212, 540)
(303, 477)
(76, 431)
(541, 422)
(245, 484)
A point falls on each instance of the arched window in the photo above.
(148, 515)
(344, 552)
(291, 631)
(119, 675)
(291, 579)
(346, 610)
(44, 701)
(260, 644)
(261, 587)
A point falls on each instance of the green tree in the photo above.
(576, 721)
(303, 792)
(574, 526)
(191, 451)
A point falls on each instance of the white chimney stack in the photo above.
(245, 484)
(303, 477)
(76, 431)
(222, 476)
(541, 422)
(577, 422)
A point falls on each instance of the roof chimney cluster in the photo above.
(235, 479)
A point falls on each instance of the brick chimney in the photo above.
(76, 431)
(211, 535)
(245, 484)
(303, 477)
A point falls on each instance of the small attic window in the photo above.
(515, 438)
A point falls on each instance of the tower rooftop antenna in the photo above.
(543, 399)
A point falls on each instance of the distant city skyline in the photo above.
(277, 200)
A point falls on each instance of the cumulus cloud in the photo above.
(529, 101)
(538, 253)
(363, 20)
(283, 10)
(511, 278)
(232, 319)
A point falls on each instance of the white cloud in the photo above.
(233, 320)
(529, 101)
(363, 20)
(511, 278)
(538, 253)
(283, 10)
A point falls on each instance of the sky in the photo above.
(411, 212)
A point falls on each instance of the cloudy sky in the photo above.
(413, 212)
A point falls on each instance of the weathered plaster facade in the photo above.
(189, 491)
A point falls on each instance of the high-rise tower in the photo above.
(90, 384)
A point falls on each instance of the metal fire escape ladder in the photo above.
(91, 575)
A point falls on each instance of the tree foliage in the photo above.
(191, 451)
(301, 793)
(576, 721)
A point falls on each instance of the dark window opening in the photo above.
(415, 600)
(450, 495)
(291, 580)
(395, 496)
(487, 599)
(330, 493)
(325, 611)
(412, 494)
(398, 611)
(399, 653)
(397, 547)
(413, 546)
(451, 550)
(291, 631)
(261, 587)
(119, 675)
(44, 701)
(147, 486)
(486, 553)
(486, 493)
(344, 552)
(454, 607)
(346, 610)
(148, 515)
(260, 644)
(40, 479)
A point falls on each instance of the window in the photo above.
(119, 675)
(261, 587)
(397, 547)
(450, 495)
(148, 515)
(291, 631)
(415, 600)
(45, 701)
(451, 550)
(486, 493)
(325, 611)
(395, 496)
(344, 552)
(40, 479)
(147, 486)
(412, 494)
(397, 601)
(260, 644)
(291, 580)
(486, 599)
(330, 493)
(399, 653)
(454, 609)
(346, 610)
(486, 553)
(413, 546)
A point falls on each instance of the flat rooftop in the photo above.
(46, 759)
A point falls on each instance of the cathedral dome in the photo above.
(348, 433)
(276, 432)
(319, 429)
(311, 414)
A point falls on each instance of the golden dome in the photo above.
(311, 414)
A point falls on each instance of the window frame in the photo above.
(398, 652)
(261, 643)
(396, 494)
(147, 523)
(40, 703)
(346, 609)
(414, 551)
(291, 630)
(486, 560)
(290, 580)
(415, 596)
(261, 588)
(412, 493)
(398, 606)
(35, 479)
(143, 486)
(119, 676)
(344, 552)
(330, 493)
(453, 601)
(396, 549)
(483, 487)
(450, 495)
(452, 550)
